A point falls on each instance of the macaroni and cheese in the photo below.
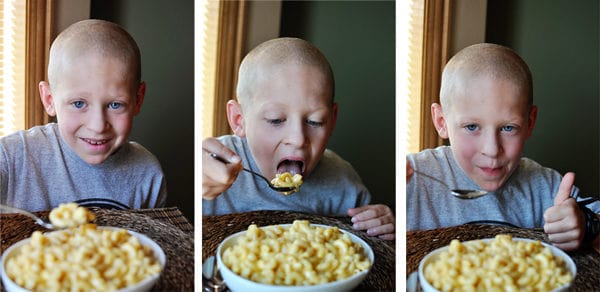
(70, 215)
(298, 255)
(287, 180)
(85, 258)
(501, 264)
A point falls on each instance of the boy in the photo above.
(486, 111)
(282, 121)
(94, 89)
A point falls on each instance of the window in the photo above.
(423, 48)
(409, 51)
(12, 66)
(220, 51)
(25, 36)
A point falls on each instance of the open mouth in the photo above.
(291, 166)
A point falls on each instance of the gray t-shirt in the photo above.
(521, 201)
(38, 171)
(331, 189)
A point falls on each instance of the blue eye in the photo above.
(508, 128)
(115, 105)
(275, 121)
(471, 127)
(78, 104)
(315, 123)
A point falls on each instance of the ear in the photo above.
(439, 122)
(532, 118)
(235, 118)
(46, 97)
(139, 98)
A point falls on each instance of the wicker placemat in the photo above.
(178, 245)
(420, 243)
(381, 277)
(170, 215)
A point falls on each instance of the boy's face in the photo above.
(289, 120)
(94, 101)
(487, 123)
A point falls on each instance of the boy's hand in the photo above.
(216, 175)
(377, 220)
(565, 223)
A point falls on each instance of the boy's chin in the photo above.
(490, 186)
(94, 160)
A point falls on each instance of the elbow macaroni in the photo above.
(82, 259)
(502, 264)
(296, 256)
(286, 180)
(70, 215)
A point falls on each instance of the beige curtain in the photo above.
(229, 54)
(39, 37)
(436, 39)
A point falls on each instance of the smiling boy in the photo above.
(282, 121)
(486, 111)
(94, 89)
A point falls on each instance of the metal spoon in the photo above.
(284, 190)
(211, 277)
(459, 193)
(37, 219)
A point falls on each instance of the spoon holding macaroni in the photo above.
(284, 183)
(64, 216)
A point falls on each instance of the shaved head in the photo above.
(275, 53)
(489, 60)
(93, 37)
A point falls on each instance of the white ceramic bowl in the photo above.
(236, 282)
(144, 285)
(427, 287)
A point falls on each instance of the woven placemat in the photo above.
(217, 228)
(178, 274)
(170, 215)
(420, 243)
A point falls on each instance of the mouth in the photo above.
(492, 171)
(291, 166)
(95, 142)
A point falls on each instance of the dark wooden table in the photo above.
(420, 243)
(167, 226)
(381, 277)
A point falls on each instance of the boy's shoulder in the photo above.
(529, 167)
(37, 135)
(135, 155)
(439, 155)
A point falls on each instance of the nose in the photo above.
(296, 134)
(96, 120)
(491, 144)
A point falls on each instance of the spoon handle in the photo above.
(431, 177)
(283, 190)
(37, 219)
(219, 158)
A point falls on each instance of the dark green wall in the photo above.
(165, 34)
(358, 38)
(559, 39)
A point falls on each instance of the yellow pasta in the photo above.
(300, 255)
(82, 259)
(502, 264)
(287, 180)
(70, 215)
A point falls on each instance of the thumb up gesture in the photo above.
(565, 223)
